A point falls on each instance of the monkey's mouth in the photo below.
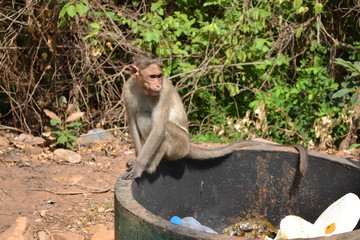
(154, 92)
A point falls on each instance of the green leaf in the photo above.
(342, 92)
(297, 3)
(71, 11)
(348, 65)
(58, 133)
(82, 8)
(73, 138)
(155, 6)
(299, 31)
(354, 98)
(74, 125)
(93, 33)
(54, 122)
(318, 8)
(63, 24)
(69, 146)
(62, 139)
(233, 89)
(152, 36)
(357, 66)
(302, 9)
(95, 25)
(356, 145)
(62, 12)
(209, 3)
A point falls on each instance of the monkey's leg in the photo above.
(156, 158)
(135, 169)
(175, 146)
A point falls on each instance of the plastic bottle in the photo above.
(191, 222)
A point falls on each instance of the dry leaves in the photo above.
(75, 116)
(51, 114)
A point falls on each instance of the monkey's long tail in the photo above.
(201, 153)
(304, 158)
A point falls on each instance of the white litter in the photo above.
(340, 217)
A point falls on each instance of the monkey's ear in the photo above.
(134, 71)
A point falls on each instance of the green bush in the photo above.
(294, 86)
(258, 68)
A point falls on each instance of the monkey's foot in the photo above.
(130, 175)
(130, 164)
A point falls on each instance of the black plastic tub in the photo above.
(252, 182)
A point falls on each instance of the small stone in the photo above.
(20, 230)
(68, 236)
(25, 140)
(63, 155)
(4, 142)
(33, 150)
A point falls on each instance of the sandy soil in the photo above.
(60, 197)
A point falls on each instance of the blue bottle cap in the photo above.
(176, 220)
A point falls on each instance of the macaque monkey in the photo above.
(159, 125)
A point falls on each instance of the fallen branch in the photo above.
(78, 185)
(11, 128)
(73, 193)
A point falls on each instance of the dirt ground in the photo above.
(61, 197)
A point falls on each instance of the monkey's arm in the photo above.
(144, 157)
(152, 143)
(131, 106)
(134, 132)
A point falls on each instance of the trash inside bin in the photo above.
(249, 183)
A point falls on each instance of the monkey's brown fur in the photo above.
(159, 125)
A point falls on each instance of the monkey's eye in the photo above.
(153, 76)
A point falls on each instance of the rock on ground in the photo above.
(4, 143)
(63, 155)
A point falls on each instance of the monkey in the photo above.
(158, 123)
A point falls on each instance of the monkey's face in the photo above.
(151, 79)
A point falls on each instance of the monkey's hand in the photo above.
(134, 173)
(130, 164)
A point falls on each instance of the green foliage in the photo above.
(293, 83)
(94, 20)
(351, 86)
(297, 106)
(71, 9)
(65, 130)
(293, 87)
